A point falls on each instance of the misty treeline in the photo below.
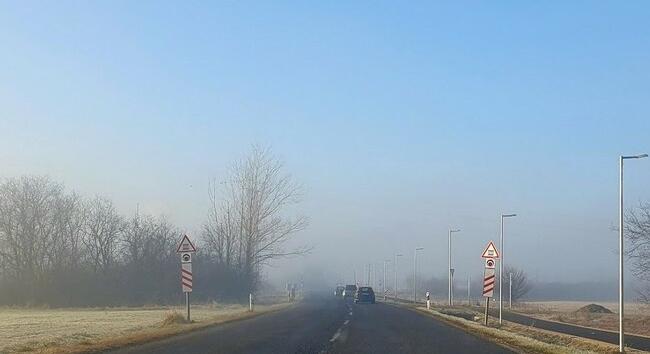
(59, 248)
(439, 287)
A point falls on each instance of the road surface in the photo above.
(325, 324)
(632, 341)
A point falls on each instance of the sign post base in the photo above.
(187, 305)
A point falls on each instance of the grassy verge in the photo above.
(93, 330)
(637, 317)
(524, 339)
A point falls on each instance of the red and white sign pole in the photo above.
(186, 248)
(489, 278)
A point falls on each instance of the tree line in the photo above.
(59, 248)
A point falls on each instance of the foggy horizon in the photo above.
(396, 131)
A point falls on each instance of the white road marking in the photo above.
(340, 330)
(350, 313)
(336, 335)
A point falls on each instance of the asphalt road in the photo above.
(632, 341)
(325, 324)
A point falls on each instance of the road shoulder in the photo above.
(522, 339)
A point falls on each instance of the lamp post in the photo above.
(501, 268)
(621, 333)
(450, 276)
(395, 270)
(415, 273)
(469, 281)
(384, 282)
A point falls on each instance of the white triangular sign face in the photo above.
(490, 251)
(185, 245)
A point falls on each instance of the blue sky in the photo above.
(399, 119)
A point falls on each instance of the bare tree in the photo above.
(520, 284)
(637, 232)
(220, 231)
(39, 231)
(249, 227)
(102, 229)
(65, 235)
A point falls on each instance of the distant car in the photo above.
(339, 291)
(350, 291)
(365, 294)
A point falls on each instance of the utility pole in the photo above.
(621, 332)
(469, 281)
(384, 282)
(368, 274)
(415, 273)
(375, 275)
(450, 275)
(452, 286)
(395, 270)
(501, 268)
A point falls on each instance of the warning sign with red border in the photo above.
(186, 245)
(490, 251)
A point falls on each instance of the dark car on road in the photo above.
(365, 294)
(350, 291)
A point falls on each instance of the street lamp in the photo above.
(450, 274)
(384, 282)
(621, 334)
(415, 273)
(395, 269)
(469, 281)
(501, 267)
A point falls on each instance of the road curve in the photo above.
(324, 324)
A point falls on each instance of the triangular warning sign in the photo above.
(185, 245)
(490, 251)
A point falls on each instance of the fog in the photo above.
(395, 133)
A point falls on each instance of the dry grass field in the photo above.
(77, 330)
(637, 315)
